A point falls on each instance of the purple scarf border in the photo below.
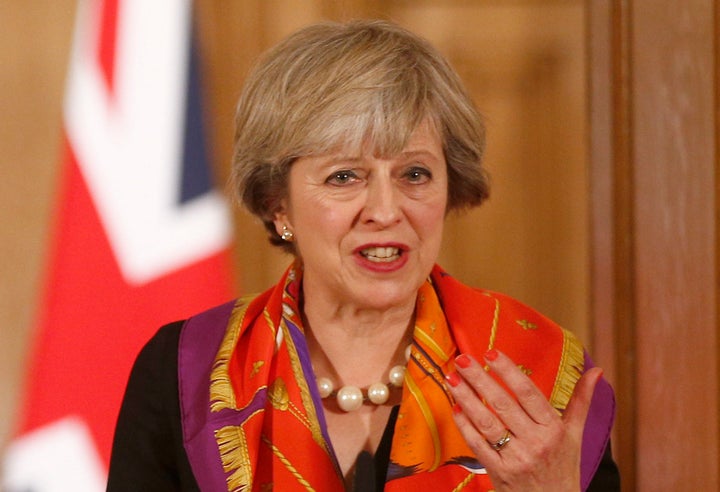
(200, 341)
(598, 425)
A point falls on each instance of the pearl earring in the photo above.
(287, 234)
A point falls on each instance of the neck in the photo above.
(357, 346)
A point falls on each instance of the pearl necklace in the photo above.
(350, 398)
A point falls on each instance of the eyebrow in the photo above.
(423, 154)
(412, 153)
(343, 158)
(333, 159)
(408, 153)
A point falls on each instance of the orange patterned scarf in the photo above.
(263, 372)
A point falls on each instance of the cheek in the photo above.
(433, 216)
(331, 217)
(309, 208)
(320, 218)
(435, 233)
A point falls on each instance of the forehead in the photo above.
(423, 138)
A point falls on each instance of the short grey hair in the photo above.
(334, 86)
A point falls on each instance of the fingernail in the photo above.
(491, 355)
(453, 379)
(457, 408)
(463, 361)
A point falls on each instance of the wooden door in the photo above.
(655, 203)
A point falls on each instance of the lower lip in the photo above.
(382, 266)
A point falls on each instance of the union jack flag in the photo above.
(140, 237)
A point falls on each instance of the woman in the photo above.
(366, 366)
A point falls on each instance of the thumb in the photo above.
(577, 409)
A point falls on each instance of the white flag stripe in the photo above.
(59, 457)
(129, 145)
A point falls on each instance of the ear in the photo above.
(280, 218)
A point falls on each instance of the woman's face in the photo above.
(368, 230)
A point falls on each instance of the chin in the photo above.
(388, 297)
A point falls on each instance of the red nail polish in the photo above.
(463, 361)
(491, 355)
(457, 408)
(453, 379)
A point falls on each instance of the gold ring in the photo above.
(500, 443)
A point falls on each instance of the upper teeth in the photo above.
(380, 254)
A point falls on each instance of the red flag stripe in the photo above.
(107, 42)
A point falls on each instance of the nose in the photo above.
(382, 202)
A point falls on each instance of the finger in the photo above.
(579, 404)
(502, 402)
(528, 395)
(475, 440)
(482, 419)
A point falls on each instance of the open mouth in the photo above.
(381, 254)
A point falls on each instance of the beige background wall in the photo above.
(34, 49)
(524, 62)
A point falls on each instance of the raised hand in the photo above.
(514, 432)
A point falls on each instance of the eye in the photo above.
(418, 175)
(342, 177)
